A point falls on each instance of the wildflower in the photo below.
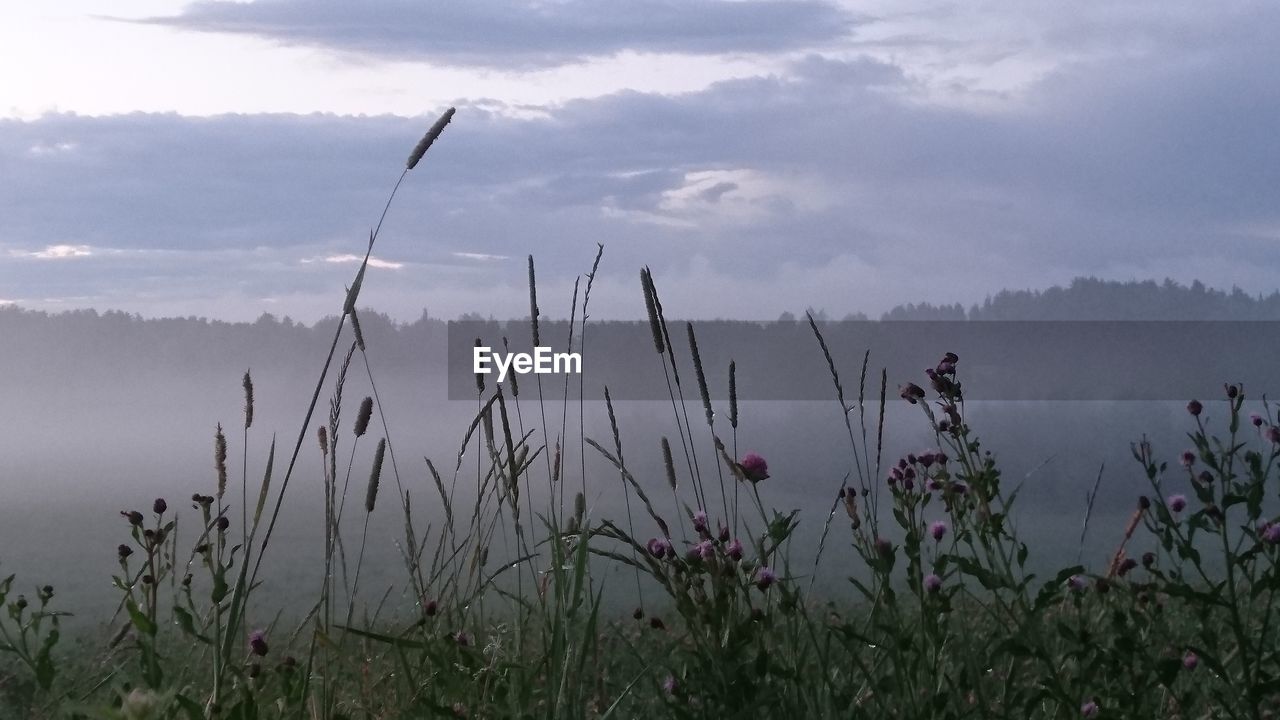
(754, 467)
(1195, 408)
(927, 459)
(959, 488)
(938, 530)
(656, 623)
(1188, 458)
(658, 547)
(706, 550)
(1148, 559)
(700, 522)
(1144, 502)
(124, 551)
(932, 583)
(911, 392)
(1077, 583)
(765, 577)
(884, 547)
(1177, 503)
(133, 516)
(1256, 419)
(258, 642)
(1090, 709)
(1272, 435)
(723, 533)
(638, 614)
(1205, 477)
(669, 685)
(223, 523)
(1190, 660)
(1271, 533)
(159, 506)
(1125, 566)
(462, 638)
(430, 608)
(734, 550)
(1233, 391)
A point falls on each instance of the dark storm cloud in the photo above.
(834, 184)
(524, 34)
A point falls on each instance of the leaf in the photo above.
(140, 620)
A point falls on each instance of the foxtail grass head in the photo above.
(362, 417)
(425, 143)
(371, 494)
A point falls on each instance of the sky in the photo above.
(225, 159)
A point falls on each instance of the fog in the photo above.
(104, 413)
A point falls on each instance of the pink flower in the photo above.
(734, 551)
(765, 577)
(258, 642)
(706, 550)
(1188, 458)
(1090, 709)
(1271, 533)
(938, 530)
(1195, 408)
(1190, 660)
(932, 583)
(754, 468)
(1177, 503)
(700, 522)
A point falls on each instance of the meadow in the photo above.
(938, 608)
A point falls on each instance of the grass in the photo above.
(941, 617)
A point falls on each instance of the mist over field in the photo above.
(107, 411)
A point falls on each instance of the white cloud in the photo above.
(480, 257)
(56, 252)
(349, 258)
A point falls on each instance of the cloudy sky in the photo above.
(227, 159)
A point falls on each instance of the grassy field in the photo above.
(941, 617)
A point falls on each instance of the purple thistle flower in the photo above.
(754, 467)
(1090, 709)
(655, 548)
(1077, 583)
(1188, 458)
(1125, 566)
(706, 550)
(462, 638)
(765, 577)
(938, 530)
(1195, 408)
(258, 642)
(1190, 660)
(722, 532)
(911, 392)
(700, 522)
(926, 459)
(1271, 533)
(1177, 503)
(959, 488)
(932, 583)
(669, 685)
(734, 551)
(1256, 419)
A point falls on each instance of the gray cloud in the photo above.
(521, 33)
(835, 184)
